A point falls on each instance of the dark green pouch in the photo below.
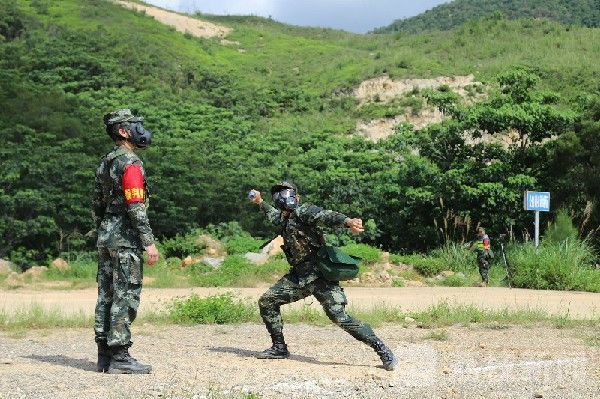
(335, 265)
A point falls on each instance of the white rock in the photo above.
(256, 258)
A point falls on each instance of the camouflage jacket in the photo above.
(120, 202)
(302, 234)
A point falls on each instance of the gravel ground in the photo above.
(218, 362)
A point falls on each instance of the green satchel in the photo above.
(336, 265)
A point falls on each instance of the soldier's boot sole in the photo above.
(129, 371)
(273, 355)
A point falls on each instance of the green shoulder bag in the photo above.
(336, 265)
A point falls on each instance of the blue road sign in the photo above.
(537, 201)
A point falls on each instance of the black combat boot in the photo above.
(386, 355)
(123, 363)
(103, 357)
(277, 351)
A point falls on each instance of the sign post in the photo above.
(539, 202)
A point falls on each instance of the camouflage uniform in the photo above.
(123, 232)
(484, 255)
(302, 238)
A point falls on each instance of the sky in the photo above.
(358, 16)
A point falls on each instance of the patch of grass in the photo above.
(454, 281)
(367, 253)
(218, 309)
(38, 317)
(426, 266)
(236, 271)
(437, 335)
(593, 340)
(78, 270)
(455, 257)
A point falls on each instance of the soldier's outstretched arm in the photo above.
(330, 218)
(273, 214)
(135, 195)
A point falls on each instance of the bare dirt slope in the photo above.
(576, 304)
(182, 23)
(218, 362)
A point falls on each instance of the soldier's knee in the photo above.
(265, 302)
(338, 315)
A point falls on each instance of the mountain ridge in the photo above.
(450, 15)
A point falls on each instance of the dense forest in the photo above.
(280, 105)
(457, 12)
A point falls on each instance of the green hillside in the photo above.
(457, 12)
(279, 104)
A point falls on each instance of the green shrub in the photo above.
(76, 271)
(558, 266)
(242, 244)
(454, 281)
(217, 309)
(562, 229)
(367, 253)
(181, 246)
(236, 271)
(455, 257)
(426, 265)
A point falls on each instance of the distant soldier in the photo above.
(300, 227)
(484, 254)
(120, 202)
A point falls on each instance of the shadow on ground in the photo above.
(298, 358)
(61, 360)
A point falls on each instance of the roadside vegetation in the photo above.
(227, 309)
(225, 255)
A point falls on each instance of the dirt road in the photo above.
(218, 362)
(576, 304)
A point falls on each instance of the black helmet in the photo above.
(284, 195)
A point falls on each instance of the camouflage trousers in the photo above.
(329, 294)
(484, 266)
(120, 273)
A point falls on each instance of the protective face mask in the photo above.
(140, 137)
(286, 199)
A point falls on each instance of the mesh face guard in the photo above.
(286, 199)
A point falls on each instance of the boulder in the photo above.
(215, 263)
(5, 266)
(274, 247)
(35, 272)
(257, 258)
(190, 260)
(212, 247)
(60, 264)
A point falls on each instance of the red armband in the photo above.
(133, 184)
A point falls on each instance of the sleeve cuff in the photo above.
(147, 240)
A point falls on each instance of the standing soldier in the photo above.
(120, 201)
(482, 246)
(300, 227)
